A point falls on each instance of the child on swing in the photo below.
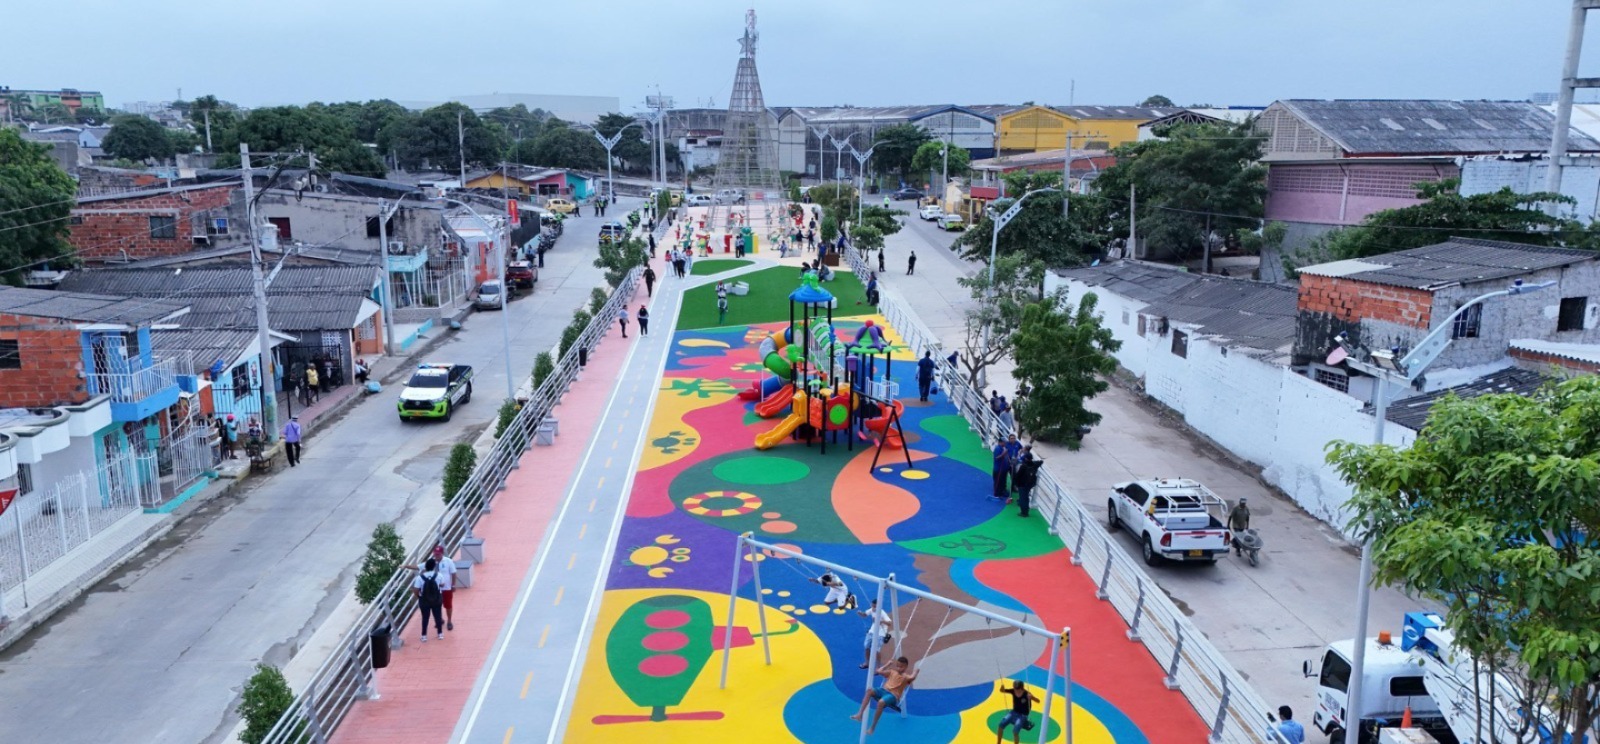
(897, 676)
(1021, 705)
(838, 596)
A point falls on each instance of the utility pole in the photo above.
(269, 398)
(208, 129)
(386, 210)
(461, 147)
(1133, 222)
(1570, 83)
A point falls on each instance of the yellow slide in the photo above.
(779, 432)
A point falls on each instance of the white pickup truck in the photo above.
(1173, 518)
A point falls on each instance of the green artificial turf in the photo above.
(768, 300)
(709, 266)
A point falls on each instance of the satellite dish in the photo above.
(1337, 356)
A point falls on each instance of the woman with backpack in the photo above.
(429, 587)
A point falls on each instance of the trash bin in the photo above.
(379, 638)
(463, 576)
(471, 551)
(583, 357)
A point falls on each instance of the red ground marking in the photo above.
(664, 665)
(667, 619)
(665, 640)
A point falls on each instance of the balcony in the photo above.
(137, 394)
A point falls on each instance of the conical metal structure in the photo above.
(749, 157)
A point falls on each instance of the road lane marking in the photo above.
(630, 400)
(572, 561)
(560, 590)
(544, 635)
(528, 680)
(592, 502)
(619, 428)
(507, 740)
(615, 442)
(608, 462)
(600, 483)
(583, 530)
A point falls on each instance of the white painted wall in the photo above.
(1118, 313)
(1220, 391)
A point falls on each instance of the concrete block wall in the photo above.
(1224, 393)
(52, 363)
(115, 229)
(1118, 313)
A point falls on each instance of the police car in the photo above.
(435, 390)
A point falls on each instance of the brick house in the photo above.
(1395, 299)
(116, 228)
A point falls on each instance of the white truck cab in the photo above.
(1175, 519)
(1393, 680)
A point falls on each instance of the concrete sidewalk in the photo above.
(1265, 619)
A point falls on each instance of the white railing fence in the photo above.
(1216, 691)
(40, 529)
(347, 675)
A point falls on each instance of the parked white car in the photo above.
(729, 196)
(1173, 519)
(698, 200)
(930, 212)
(952, 222)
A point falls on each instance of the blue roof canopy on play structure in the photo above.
(811, 292)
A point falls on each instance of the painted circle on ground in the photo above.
(783, 593)
(799, 612)
(1034, 719)
(820, 609)
(766, 591)
(770, 515)
(761, 470)
(667, 619)
(722, 504)
(914, 474)
(664, 640)
(663, 665)
(779, 527)
(786, 607)
(886, 470)
(703, 342)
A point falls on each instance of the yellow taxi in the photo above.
(561, 205)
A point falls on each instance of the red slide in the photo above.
(891, 438)
(776, 402)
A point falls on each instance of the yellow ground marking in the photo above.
(601, 482)
(509, 729)
(608, 462)
(560, 590)
(592, 502)
(528, 680)
(582, 530)
(544, 636)
(572, 561)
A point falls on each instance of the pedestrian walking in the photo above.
(622, 320)
(925, 368)
(649, 281)
(429, 590)
(881, 268)
(1001, 470)
(652, 238)
(312, 383)
(722, 308)
(911, 263)
(1025, 478)
(1292, 731)
(995, 402)
(644, 321)
(291, 440)
(872, 290)
(229, 432)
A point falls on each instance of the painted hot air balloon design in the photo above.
(655, 651)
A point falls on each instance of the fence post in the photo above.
(1077, 551)
(88, 526)
(1222, 712)
(61, 520)
(1138, 613)
(1105, 576)
(22, 553)
(1055, 508)
(313, 724)
(1171, 682)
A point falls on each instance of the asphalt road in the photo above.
(158, 651)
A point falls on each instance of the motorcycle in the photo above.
(1248, 542)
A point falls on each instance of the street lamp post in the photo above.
(1003, 219)
(505, 290)
(840, 145)
(822, 139)
(861, 177)
(608, 143)
(1386, 370)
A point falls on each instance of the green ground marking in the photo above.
(709, 266)
(1034, 718)
(965, 446)
(1004, 536)
(768, 301)
(761, 470)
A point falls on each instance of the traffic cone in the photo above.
(1405, 718)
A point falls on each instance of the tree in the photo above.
(220, 116)
(314, 129)
(543, 367)
(876, 224)
(574, 331)
(631, 149)
(930, 159)
(36, 199)
(1158, 100)
(1499, 215)
(1492, 514)
(1064, 356)
(262, 702)
(565, 147)
(183, 140)
(431, 138)
(385, 554)
(618, 257)
(1199, 176)
(137, 138)
(991, 321)
(896, 146)
(458, 470)
(1039, 231)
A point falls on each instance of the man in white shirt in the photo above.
(882, 626)
(447, 583)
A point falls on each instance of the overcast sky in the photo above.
(812, 52)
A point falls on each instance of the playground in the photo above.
(800, 425)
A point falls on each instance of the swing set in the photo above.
(747, 548)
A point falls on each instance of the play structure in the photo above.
(1057, 650)
(824, 386)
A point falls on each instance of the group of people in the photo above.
(1016, 472)
(1002, 407)
(681, 260)
(434, 588)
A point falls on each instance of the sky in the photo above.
(811, 53)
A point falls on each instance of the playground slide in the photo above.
(892, 438)
(762, 388)
(779, 432)
(775, 403)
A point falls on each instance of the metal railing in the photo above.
(40, 529)
(347, 675)
(1192, 665)
(134, 385)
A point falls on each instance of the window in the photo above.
(1467, 324)
(218, 226)
(282, 223)
(241, 380)
(1335, 672)
(1335, 380)
(1124, 317)
(1572, 311)
(77, 219)
(1180, 344)
(24, 479)
(130, 344)
(164, 227)
(10, 354)
(1141, 325)
(1407, 687)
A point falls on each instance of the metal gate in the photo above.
(329, 357)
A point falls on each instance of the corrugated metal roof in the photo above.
(1576, 352)
(1257, 315)
(1137, 281)
(1455, 261)
(1424, 127)
(87, 307)
(285, 312)
(1412, 413)
(1117, 113)
(207, 345)
(207, 281)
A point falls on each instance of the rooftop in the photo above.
(1241, 313)
(1426, 127)
(1138, 113)
(147, 193)
(223, 281)
(1412, 413)
(1589, 353)
(84, 307)
(1455, 261)
(1138, 281)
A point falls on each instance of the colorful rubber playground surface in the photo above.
(652, 667)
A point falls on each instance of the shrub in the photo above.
(385, 554)
(829, 228)
(458, 469)
(597, 300)
(543, 366)
(262, 702)
(570, 335)
(618, 257)
(508, 411)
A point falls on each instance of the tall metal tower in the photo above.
(749, 157)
